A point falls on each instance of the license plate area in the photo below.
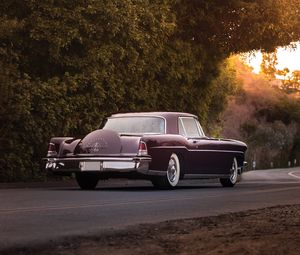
(91, 166)
(118, 165)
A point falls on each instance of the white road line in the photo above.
(294, 175)
(50, 208)
(161, 200)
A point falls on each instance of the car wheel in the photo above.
(232, 180)
(171, 179)
(87, 181)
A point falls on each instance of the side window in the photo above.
(190, 127)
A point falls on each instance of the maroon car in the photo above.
(163, 147)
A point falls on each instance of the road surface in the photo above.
(35, 216)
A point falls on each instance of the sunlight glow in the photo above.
(287, 57)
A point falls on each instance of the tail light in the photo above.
(142, 149)
(51, 150)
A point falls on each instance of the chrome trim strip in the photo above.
(92, 155)
(183, 147)
(204, 176)
(98, 159)
(226, 151)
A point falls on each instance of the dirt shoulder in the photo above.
(267, 231)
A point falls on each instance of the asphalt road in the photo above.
(39, 215)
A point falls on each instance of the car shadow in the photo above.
(133, 188)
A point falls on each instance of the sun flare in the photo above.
(287, 58)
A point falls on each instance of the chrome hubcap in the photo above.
(233, 172)
(172, 170)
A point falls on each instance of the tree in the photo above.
(235, 26)
(268, 65)
(65, 65)
(265, 117)
(291, 82)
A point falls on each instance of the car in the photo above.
(163, 147)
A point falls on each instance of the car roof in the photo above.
(170, 117)
(154, 114)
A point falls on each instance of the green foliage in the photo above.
(270, 142)
(225, 85)
(266, 118)
(291, 81)
(268, 65)
(239, 25)
(64, 65)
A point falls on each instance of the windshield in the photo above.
(136, 125)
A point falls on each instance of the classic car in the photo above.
(163, 147)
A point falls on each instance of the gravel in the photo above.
(274, 230)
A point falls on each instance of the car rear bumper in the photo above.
(100, 164)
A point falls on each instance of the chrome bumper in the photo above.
(98, 164)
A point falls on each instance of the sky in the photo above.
(287, 57)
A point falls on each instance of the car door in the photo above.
(204, 155)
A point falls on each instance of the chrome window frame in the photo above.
(180, 120)
(199, 128)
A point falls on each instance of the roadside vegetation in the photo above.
(265, 115)
(65, 65)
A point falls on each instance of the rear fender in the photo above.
(68, 146)
(161, 147)
(63, 144)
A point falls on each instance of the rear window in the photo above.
(136, 125)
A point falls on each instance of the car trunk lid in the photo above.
(108, 142)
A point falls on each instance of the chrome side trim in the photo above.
(203, 150)
(169, 147)
(225, 151)
(205, 176)
(91, 155)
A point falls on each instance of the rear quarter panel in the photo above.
(161, 147)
